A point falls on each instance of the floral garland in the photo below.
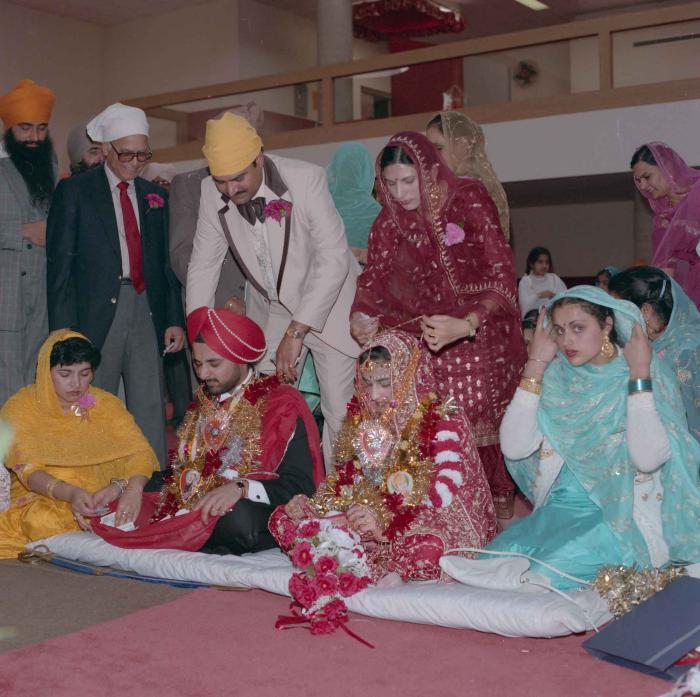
(214, 440)
(332, 566)
(411, 455)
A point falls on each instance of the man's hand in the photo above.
(35, 233)
(289, 351)
(219, 501)
(363, 328)
(174, 339)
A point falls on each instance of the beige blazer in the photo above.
(317, 276)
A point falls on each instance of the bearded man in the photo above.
(83, 152)
(27, 182)
(247, 445)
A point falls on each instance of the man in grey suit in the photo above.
(27, 181)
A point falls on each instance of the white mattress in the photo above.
(517, 609)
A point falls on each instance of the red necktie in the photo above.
(133, 238)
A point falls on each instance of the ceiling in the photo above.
(483, 17)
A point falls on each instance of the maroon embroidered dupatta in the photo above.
(412, 271)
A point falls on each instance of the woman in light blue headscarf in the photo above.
(673, 327)
(596, 438)
(351, 180)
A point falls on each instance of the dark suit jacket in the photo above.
(84, 264)
(185, 192)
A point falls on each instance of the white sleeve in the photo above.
(520, 435)
(208, 253)
(527, 298)
(559, 285)
(256, 492)
(647, 440)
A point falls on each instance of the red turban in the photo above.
(234, 337)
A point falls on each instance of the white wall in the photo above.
(190, 47)
(72, 67)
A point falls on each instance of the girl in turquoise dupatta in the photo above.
(351, 181)
(607, 459)
(673, 327)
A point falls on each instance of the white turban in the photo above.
(117, 121)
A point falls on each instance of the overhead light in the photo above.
(533, 4)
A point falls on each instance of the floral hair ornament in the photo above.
(82, 407)
(154, 201)
(278, 209)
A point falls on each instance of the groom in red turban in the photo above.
(246, 445)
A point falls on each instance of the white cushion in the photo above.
(533, 612)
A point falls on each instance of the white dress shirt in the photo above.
(114, 182)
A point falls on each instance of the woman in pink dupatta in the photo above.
(673, 191)
(439, 267)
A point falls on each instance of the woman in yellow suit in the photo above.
(75, 449)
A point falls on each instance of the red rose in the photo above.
(308, 595)
(322, 627)
(310, 529)
(301, 556)
(335, 610)
(297, 584)
(327, 584)
(347, 584)
(326, 565)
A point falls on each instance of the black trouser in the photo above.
(242, 530)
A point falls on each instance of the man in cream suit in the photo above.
(279, 221)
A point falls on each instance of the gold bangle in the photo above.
(51, 486)
(530, 385)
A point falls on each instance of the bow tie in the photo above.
(255, 208)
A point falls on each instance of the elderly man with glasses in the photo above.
(108, 272)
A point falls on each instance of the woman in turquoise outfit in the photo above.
(673, 327)
(596, 438)
(351, 181)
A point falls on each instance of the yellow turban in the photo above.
(26, 102)
(231, 144)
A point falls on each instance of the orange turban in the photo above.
(234, 337)
(26, 102)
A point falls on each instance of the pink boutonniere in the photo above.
(82, 407)
(454, 234)
(278, 209)
(154, 201)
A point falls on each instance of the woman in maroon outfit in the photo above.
(439, 267)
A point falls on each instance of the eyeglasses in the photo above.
(142, 156)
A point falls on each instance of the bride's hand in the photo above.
(363, 328)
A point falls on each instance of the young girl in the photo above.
(539, 284)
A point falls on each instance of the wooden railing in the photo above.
(605, 97)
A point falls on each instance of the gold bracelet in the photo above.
(530, 385)
(121, 484)
(51, 486)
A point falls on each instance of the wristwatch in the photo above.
(242, 484)
(295, 333)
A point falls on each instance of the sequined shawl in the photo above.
(468, 145)
(676, 232)
(414, 269)
(46, 436)
(679, 348)
(583, 413)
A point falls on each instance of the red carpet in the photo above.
(214, 643)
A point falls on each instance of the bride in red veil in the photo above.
(439, 267)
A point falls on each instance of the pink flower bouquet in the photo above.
(332, 565)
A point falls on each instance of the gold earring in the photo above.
(607, 350)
